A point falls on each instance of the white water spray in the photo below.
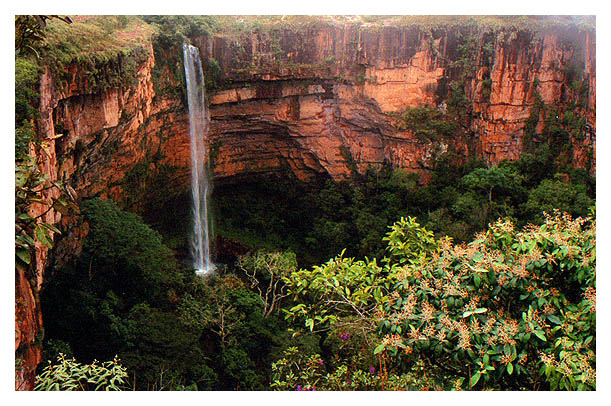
(200, 184)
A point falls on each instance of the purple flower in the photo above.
(344, 336)
(372, 370)
(298, 387)
(320, 361)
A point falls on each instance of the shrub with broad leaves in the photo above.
(512, 310)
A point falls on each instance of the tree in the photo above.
(490, 193)
(228, 318)
(501, 180)
(120, 295)
(512, 310)
(218, 314)
(555, 194)
(266, 271)
(30, 30)
(123, 254)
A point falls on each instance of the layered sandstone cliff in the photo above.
(326, 103)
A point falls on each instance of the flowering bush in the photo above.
(511, 310)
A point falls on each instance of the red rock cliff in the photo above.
(325, 103)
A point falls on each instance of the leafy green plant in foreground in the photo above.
(30, 187)
(69, 375)
(265, 271)
(512, 310)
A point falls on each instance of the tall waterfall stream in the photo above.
(200, 182)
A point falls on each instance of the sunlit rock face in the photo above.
(325, 108)
(335, 95)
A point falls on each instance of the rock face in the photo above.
(325, 105)
(27, 326)
(319, 100)
(321, 115)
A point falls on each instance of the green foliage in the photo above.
(212, 75)
(428, 124)
(342, 285)
(563, 125)
(53, 347)
(494, 312)
(555, 194)
(30, 31)
(458, 102)
(28, 181)
(534, 168)
(26, 101)
(129, 252)
(264, 212)
(111, 56)
(503, 23)
(491, 193)
(174, 30)
(30, 185)
(69, 375)
(265, 271)
(299, 372)
(409, 242)
(214, 311)
(230, 318)
(160, 352)
(120, 294)
(127, 295)
(511, 310)
(320, 219)
(530, 134)
(26, 78)
(24, 135)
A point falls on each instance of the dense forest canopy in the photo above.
(480, 277)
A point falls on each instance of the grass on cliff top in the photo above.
(486, 22)
(93, 38)
(234, 25)
(102, 36)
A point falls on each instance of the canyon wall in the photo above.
(325, 104)
(321, 100)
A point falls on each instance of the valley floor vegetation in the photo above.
(514, 309)
(508, 306)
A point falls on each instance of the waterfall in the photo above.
(200, 183)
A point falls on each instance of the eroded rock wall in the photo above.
(322, 104)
